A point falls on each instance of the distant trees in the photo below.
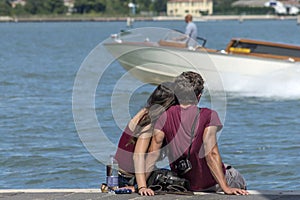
(5, 8)
(160, 5)
(223, 7)
(45, 7)
(109, 7)
(88, 6)
(119, 7)
(32, 7)
(112, 7)
(116, 7)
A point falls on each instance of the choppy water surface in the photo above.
(39, 144)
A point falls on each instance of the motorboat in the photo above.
(157, 56)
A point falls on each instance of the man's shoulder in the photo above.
(207, 111)
(192, 24)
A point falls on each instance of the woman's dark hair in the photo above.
(161, 99)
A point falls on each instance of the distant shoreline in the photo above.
(158, 18)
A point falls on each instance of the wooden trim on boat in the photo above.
(210, 50)
(170, 43)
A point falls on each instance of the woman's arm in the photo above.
(154, 150)
(140, 151)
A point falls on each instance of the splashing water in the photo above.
(282, 84)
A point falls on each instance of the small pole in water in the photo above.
(298, 20)
(129, 22)
(241, 18)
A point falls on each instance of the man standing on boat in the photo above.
(191, 28)
(190, 35)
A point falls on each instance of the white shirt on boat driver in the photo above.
(191, 31)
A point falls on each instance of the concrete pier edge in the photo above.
(95, 190)
(96, 194)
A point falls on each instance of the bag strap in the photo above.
(192, 133)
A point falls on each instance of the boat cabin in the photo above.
(264, 49)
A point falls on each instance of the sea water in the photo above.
(40, 145)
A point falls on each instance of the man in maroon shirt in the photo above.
(190, 133)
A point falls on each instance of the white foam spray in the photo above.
(282, 84)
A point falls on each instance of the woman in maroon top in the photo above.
(136, 134)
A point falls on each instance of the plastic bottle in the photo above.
(112, 179)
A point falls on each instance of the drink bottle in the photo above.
(112, 174)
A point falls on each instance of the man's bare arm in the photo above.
(214, 161)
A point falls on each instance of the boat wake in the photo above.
(282, 84)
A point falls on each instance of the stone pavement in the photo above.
(81, 194)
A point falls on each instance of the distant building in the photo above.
(70, 5)
(281, 7)
(17, 2)
(197, 8)
(261, 3)
(287, 7)
(250, 3)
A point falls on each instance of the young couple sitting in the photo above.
(172, 121)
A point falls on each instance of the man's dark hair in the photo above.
(188, 86)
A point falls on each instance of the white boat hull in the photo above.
(154, 64)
